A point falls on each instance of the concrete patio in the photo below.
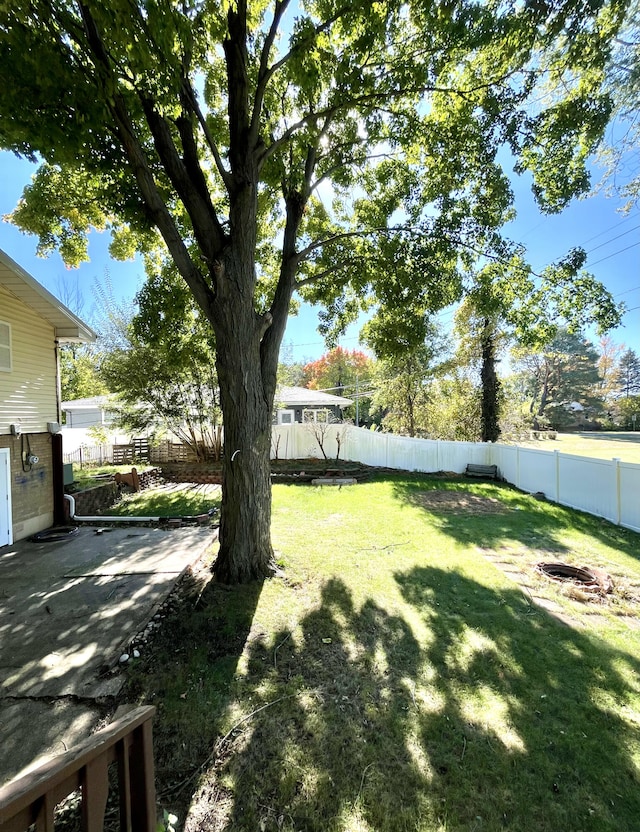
(67, 611)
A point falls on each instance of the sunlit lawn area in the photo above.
(394, 677)
(599, 444)
(169, 500)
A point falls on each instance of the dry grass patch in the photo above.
(458, 502)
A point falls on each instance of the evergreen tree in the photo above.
(560, 376)
(629, 373)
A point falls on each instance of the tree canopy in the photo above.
(402, 390)
(345, 373)
(621, 155)
(354, 152)
(560, 376)
(165, 377)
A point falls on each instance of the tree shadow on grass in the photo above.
(338, 696)
(188, 673)
(516, 516)
(469, 714)
(546, 715)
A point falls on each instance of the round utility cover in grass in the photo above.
(591, 579)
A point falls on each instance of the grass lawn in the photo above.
(602, 445)
(409, 670)
(168, 500)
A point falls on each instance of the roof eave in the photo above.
(73, 330)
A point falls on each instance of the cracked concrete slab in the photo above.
(67, 609)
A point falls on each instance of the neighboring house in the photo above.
(32, 325)
(298, 404)
(87, 413)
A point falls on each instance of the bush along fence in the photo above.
(605, 488)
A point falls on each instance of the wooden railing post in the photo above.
(31, 799)
(143, 808)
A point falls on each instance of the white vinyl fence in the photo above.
(606, 488)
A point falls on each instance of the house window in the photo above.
(5, 347)
(286, 417)
(315, 416)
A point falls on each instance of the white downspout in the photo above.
(104, 518)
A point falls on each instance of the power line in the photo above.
(606, 243)
(315, 343)
(626, 291)
(607, 230)
(632, 216)
(609, 256)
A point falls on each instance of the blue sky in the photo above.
(611, 239)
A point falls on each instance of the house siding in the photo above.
(28, 399)
(31, 490)
(28, 392)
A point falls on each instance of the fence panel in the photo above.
(506, 457)
(292, 442)
(409, 454)
(368, 447)
(168, 451)
(537, 471)
(628, 486)
(588, 484)
(455, 456)
(123, 454)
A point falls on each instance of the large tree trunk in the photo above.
(545, 393)
(245, 538)
(247, 388)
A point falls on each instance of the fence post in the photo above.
(616, 472)
(557, 459)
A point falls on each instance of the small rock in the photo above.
(124, 658)
(136, 654)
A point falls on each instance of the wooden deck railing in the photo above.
(127, 742)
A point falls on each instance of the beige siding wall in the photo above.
(28, 392)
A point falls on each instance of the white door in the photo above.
(6, 530)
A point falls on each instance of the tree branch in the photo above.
(132, 146)
(196, 200)
(372, 98)
(213, 147)
(316, 278)
(235, 50)
(302, 255)
(301, 44)
(263, 73)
